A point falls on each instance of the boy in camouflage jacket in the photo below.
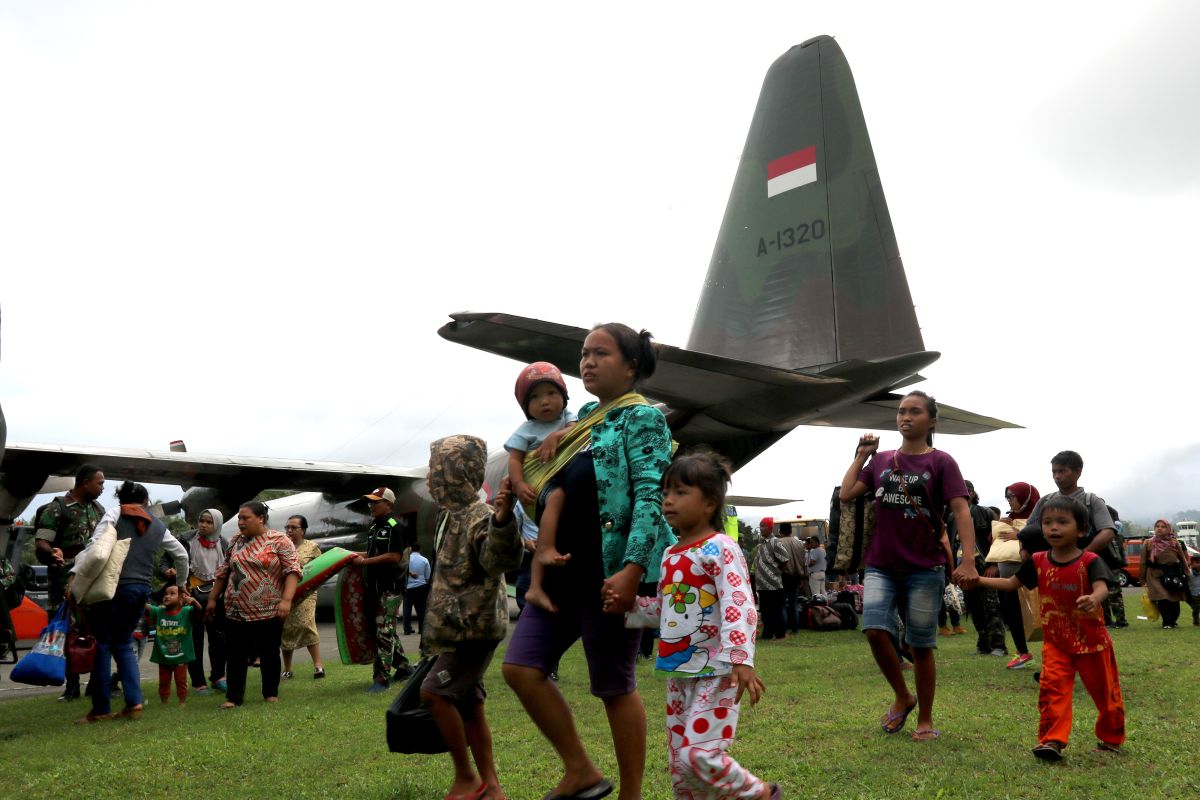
(467, 611)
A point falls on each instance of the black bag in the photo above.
(410, 726)
(847, 614)
(1171, 576)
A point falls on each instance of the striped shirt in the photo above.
(255, 568)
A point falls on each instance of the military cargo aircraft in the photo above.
(805, 318)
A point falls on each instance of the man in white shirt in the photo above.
(816, 565)
(416, 591)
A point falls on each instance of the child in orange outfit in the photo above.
(1073, 585)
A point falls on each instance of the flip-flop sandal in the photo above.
(602, 788)
(1105, 747)
(1049, 751)
(926, 736)
(894, 723)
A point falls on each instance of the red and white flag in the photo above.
(792, 171)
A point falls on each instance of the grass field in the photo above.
(815, 732)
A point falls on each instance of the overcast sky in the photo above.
(241, 224)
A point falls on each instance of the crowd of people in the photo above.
(611, 532)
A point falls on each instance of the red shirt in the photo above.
(1063, 624)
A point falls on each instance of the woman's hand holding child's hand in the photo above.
(619, 592)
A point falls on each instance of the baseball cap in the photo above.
(382, 493)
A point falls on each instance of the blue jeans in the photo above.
(112, 623)
(916, 596)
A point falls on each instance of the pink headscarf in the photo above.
(1027, 495)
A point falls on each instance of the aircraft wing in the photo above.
(198, 469)
(879, 413)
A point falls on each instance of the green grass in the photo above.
(815, 732)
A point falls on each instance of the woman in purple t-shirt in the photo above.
(906, 561)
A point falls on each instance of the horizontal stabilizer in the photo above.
(684, 379)
(879, 413)
(758, 502)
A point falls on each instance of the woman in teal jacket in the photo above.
(613, 529)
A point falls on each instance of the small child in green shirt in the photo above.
(173, 649)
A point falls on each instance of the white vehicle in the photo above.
(1188, 532)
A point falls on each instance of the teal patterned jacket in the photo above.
(631, 448)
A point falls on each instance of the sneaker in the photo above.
(68, 696)
(287, 676)
(1021, 661)
(998, 653)
(319, 672)
(958, 629)
(1049, 751)
(221, 685)
(401, 674)
(378, 686)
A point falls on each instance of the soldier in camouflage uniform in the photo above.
(467, 611)
(63, 529)
(384, 567)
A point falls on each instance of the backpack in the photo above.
(62, 513)
(824, 618)
(1113, 555)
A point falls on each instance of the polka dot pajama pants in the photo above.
(701, 722)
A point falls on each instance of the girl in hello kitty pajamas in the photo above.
(705, 614)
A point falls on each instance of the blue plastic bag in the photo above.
(46, 664)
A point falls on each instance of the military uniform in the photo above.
(385, 593)
(66, 523)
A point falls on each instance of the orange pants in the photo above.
(168, 671)
(1098, 671)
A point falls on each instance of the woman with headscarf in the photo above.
(1164, 572)
(1004, 559)
(206, 550)
(609, 466)
(300, 628)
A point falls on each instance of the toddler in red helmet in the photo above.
(542, 393)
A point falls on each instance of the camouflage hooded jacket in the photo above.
(467, 599)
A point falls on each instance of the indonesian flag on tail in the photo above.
(792, 171)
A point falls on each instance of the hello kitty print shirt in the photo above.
(704, 609)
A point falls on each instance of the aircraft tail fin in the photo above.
(806, 270)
